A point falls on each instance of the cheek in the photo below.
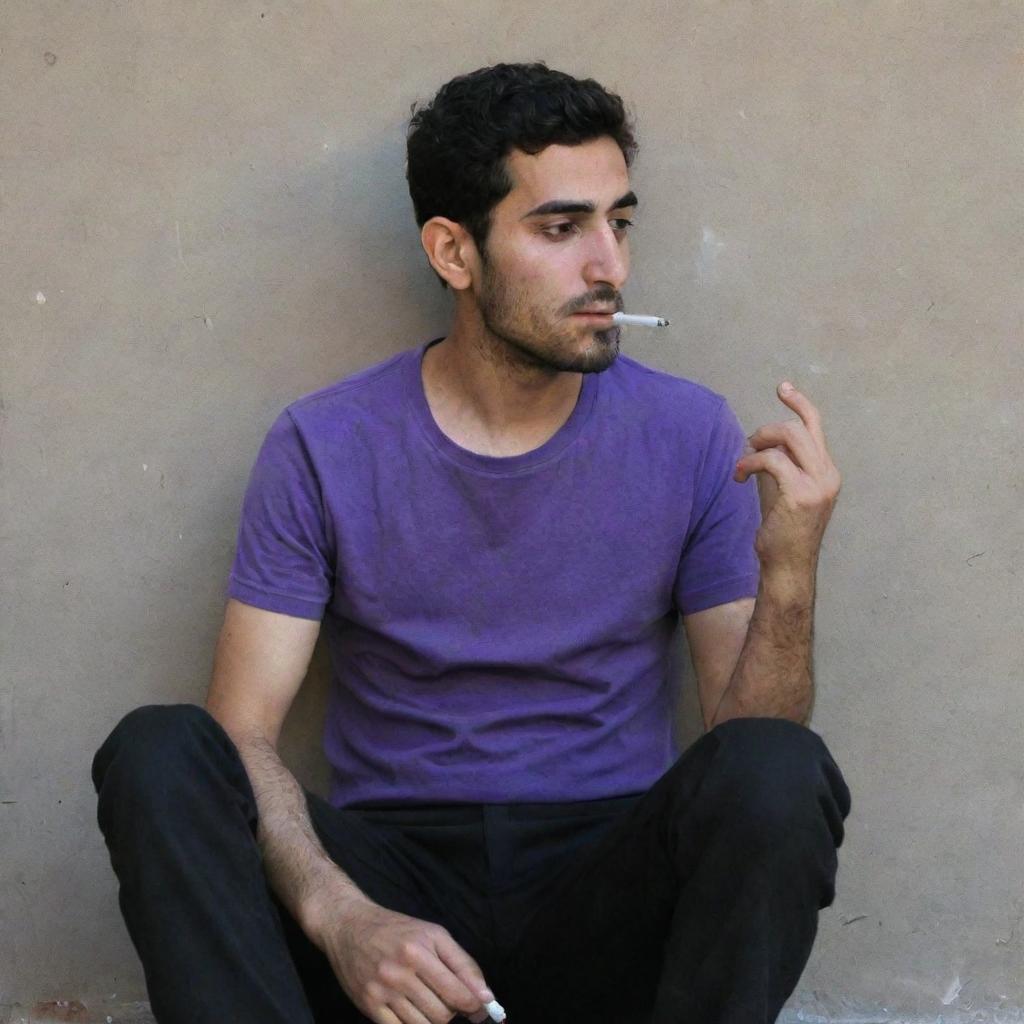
(530, 265)
(540, 278)
(551, 269)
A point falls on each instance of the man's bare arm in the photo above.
(261, 659)
(798, 485)
(773, 677)
(379, 956)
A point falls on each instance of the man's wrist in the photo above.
(334, 899)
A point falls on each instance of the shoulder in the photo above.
(356, 388)
(363, 400)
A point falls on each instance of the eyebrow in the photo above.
(578, 206)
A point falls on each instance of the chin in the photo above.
(561, 351)
(605, 346)
(599, 355)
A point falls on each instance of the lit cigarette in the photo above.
(495, 1011)
(630, 320)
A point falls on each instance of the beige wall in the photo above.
(211, 199)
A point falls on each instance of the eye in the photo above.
(555, 232)
(555, 229)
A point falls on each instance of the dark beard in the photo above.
(520, 353)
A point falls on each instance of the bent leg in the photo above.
(179, 819)
(701, 904)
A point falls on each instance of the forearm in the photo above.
(298, 868)
(774, 675)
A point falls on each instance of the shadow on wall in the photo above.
(307, 235)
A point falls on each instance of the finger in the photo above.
(406, 1012)
(435, 989)
(793, 436)
(428, 1000)
(466, 971)
(449, 989)
(805, 409)
(771, 461)
(385, 1016)
(748, 452)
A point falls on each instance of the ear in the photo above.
(451, 251)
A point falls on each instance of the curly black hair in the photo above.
(458, 142)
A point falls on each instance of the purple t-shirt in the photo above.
(498, 627)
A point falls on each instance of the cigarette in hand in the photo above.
(632, 320)
(495, 1011)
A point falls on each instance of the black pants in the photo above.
(695, 902)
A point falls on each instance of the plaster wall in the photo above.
(203, 215)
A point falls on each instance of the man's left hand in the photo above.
(797, 484)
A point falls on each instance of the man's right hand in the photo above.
(394, 967)
(397, 968)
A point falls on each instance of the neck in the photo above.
(478, 386)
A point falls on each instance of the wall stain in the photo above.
(61, 1009)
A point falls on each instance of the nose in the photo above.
(607, 258)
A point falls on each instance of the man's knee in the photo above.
(778, 778)
(149, 748)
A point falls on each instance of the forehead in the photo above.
(594, 170)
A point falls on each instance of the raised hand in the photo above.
(797, 484)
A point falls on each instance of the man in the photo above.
(498, 530)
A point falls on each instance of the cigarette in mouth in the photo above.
(495, 1011)
(632, 320)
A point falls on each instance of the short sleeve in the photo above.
(719, 563)
(283, 558)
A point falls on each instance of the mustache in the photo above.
(602, 299)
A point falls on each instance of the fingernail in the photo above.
(786, 387)
(486, 995)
